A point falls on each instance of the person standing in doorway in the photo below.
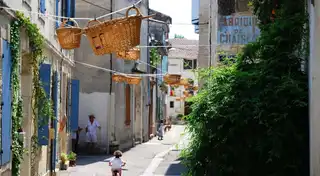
(75, 139)
(91, 132)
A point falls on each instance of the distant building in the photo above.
(224, 26)
(182, 60)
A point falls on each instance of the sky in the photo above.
(180, 12)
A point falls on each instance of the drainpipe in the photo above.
(110, 93)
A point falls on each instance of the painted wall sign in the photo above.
(235, 30)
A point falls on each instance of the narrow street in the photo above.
(153, 158)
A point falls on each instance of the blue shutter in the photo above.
(43, 123)
(75, 89)
(72, 8)
(55, 121)
(57, 13)
(69, 105)
(68, 10)
(43, 6)
(6, 100)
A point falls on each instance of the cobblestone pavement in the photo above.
(138, 158)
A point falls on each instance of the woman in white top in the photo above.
(116, 163)
(91, 132)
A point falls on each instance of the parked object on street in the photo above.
(64, 161)
(75, 139)
(167, 124)
(72, 157)
(116, 163)
(114, 146)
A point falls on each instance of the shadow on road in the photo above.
(86, 160)
(175, 169)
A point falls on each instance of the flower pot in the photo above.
(72, 163)
(63, 166)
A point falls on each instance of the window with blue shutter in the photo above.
(57, 13)
(43, 123)
(75, 90)
(6, 100)
(42, 6)
(55, 121)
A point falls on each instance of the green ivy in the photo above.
(251, 117)
(36, 43)
(155, 57)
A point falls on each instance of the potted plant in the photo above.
(72, 157)
(64, 161)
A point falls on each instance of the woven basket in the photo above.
(132, 54)
(115, 35)
(133, 80)
(118, 78)
(69, 37)
(172, 79)
(183, 82)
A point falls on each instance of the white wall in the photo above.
(314, 86)
(99, 105)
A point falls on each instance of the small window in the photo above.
(189, 64)
(171, 104)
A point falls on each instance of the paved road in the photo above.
(143, 159)
(171, 163)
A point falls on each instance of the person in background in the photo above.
(91, 133)
(75, 140)
(161, 130)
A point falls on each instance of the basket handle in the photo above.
(138, 13)
(92, 21)
(64, 22)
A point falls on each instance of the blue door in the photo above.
(75, 90)
(43, 122)
(6, 103)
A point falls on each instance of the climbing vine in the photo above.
(41, 106)
(155, 57)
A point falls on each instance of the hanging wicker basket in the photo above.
(118, 78)
(132, 54)
(69, 37)
(115, 35)
(183, 82)
(133, 80)
(172, 79)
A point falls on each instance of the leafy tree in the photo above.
(251, 117)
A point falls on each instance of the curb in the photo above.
(156, 161)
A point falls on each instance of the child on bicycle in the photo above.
(116, 163)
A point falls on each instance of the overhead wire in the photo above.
(54, 18)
